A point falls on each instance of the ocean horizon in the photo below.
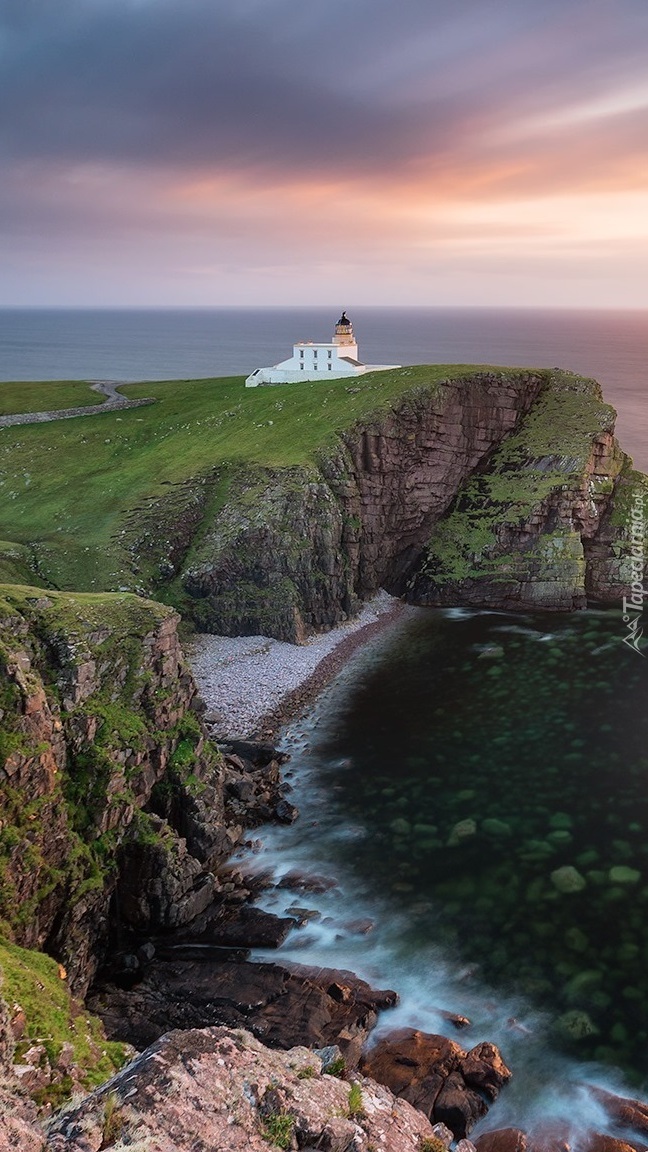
(190, 343)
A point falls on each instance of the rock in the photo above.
(459, 1106)
(7, 1033)
(285, 812)
(576, 1025)
(221, 1089)
(462, 831)
(361, 927)
(568, 879)
(443, 1133)
(65, 1058)
(283, 1006)
(436, 1075)
(305, 882)
(622, 1110)
(484, 1069)
(621, 874)
(502, 1140)
(244, 927)
(494, 827)
(86, 652)
(330, 1056)
(20, 1130)
(376, 513)
(598, 1142)
(256, 753)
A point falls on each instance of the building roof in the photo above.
(344, 319)
(350, 360)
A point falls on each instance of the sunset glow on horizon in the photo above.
(270, 152)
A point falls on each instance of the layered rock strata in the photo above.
(497, 489)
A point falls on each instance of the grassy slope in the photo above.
(66, 488)
(32, 980)
(45, 395)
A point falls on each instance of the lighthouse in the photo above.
(311, 361)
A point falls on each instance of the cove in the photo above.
(477, 783)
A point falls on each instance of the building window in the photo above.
(315, 354)
(302, 367)
(330, 355)
(301, 354)
(330, 367)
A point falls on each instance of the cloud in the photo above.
(257, 134)
(353, 88)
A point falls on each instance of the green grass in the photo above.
(45, 395)
(32, 980)
(74, 493)
(278, 1129)
(15, 563)
(355, 1106)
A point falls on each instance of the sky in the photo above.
(427, 152)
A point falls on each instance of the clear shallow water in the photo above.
(534, 728)
(155, 344)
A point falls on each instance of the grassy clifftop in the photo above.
(76, 495)
(45, 395)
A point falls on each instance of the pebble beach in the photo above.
(253, 684)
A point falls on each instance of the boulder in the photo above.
(435, 1074)
(502, 1140)
(484, 1070)
(222, 1090)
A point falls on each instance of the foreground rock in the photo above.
(281, 1006)
(435, 1074)
(222, 1090)
(553, 1137)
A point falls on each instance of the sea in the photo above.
(171, 344)
(473, 787)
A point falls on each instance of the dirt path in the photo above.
(113, 403)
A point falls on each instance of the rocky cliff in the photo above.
(108, 785)
(497, 488)
(547, 523)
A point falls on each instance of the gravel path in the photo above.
(251, 684)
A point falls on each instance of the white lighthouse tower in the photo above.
(311, 361)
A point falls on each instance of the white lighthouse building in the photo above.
(311, 361)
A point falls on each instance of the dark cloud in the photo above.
(322, 87)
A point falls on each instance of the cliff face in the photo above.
(496, 489)
(95, 710)
(293, 551)
(543, 524)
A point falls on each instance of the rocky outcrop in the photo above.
(436, 1075)
(502, 489)
(294, 550)
(96, 714)
(280, 1005)
(220, 1089)
(545, 524)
